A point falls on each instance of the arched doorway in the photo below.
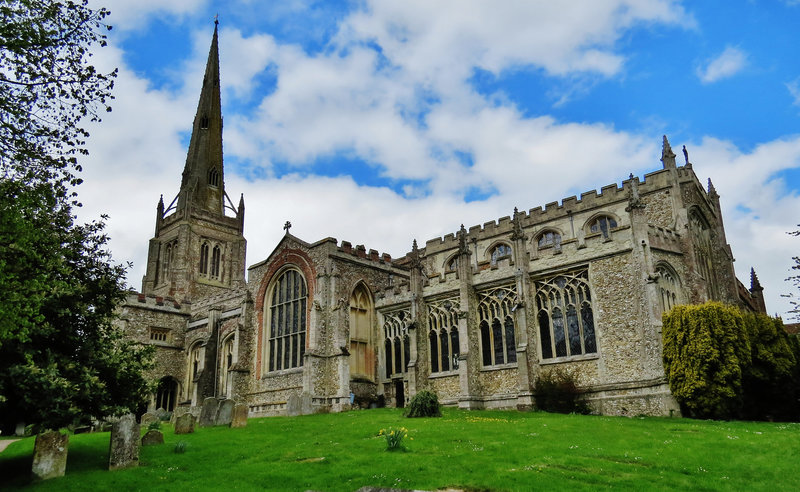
(167, 393)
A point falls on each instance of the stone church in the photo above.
(475, 316)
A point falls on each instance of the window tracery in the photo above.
(286, 319)
(497, 325)
(603, 225)
(549, 238)
(669, 288)
(566, 319)
(443, 335)
(500, 252)
(396, 343)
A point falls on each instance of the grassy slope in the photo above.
(474, 450)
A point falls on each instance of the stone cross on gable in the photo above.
(287, 226)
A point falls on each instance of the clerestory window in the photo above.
(548, 239)
(500, 252)
(603, 225)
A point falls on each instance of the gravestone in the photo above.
(293, 406)
(148, 419)
(225, 412)
(208, 415)
(239, 418)
(153, 437)
(184, 424)
(20, 430)
(124, 449)
(161, 413)
(305, 404)
(50, 455)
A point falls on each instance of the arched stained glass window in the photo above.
(286, 319)
(443, 334)
(603, 225)
(497, 325)
(566, 321)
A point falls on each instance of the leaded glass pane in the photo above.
(434, 342)
(445, 353)
(497, 342)
(511, 346)
(573, 330)
(454, 346)
(544, 332)
(558, 333)
(588, 329)
(486, 345)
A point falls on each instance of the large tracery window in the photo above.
(669, 288)
(226, 364)
(602, 224)
(443, 335)
(701, 237)
(497, 326)
(566, 320)
(362, 358)
(286, 315)
(396, 344)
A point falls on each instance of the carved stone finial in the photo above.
(667, 155)
(634, 200)
(755, 285)
(287, 226)
(414, 256)
(516, 231)
(463, 249)
(712, 192)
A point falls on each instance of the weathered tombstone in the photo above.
(239, 418)
(148, 419)
(293, 406)
(161, 413)
(50, 455)
(20, 430)
(208, 415)
(184, 424)
(305, 404)
(153, 437)
(225, 412)
(124, 449)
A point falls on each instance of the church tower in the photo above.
(197, 250)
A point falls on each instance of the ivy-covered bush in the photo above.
(556, 390)
(723, 363)
(424, 404)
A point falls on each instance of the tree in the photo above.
(795, 281)
(47, 86)
(61, 358)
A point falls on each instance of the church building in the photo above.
(475, 316)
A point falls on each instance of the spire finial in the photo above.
(712, 192)
(287, 226)
(754, 283)
(216, 19)
(516, 226)
(667, 155)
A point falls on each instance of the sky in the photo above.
(383, 122)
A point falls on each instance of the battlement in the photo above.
(157, 302)
(360, 251)
(590, 200)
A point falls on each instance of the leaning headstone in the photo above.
(239, 418)
(208, 415)
(148, 419)
(184, 424)
(124, 449)
(225, 412)
(50, 455)
(153, 437)
(305, 404)
(293, 405)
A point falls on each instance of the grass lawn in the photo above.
(478, 450)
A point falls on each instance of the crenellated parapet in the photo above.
(157, 303)
(360, 251)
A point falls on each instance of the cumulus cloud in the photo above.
(728, 63)
(794, 90)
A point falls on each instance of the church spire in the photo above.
(202, 185)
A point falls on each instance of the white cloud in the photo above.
(794, 90)
(728, 63)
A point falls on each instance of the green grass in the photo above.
(479, 450)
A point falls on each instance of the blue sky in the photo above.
(383, 122)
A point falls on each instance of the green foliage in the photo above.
(61, 359)
(705, 347)
(556, 390)
(769, 381)
(795, 281)
(424, 404)
(154, 425)
(724, 363)
(180, 447)
(394, 438)
(48, 87)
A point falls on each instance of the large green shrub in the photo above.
(556, 390)
(769, 389)
(705, 348)
(424, 404)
